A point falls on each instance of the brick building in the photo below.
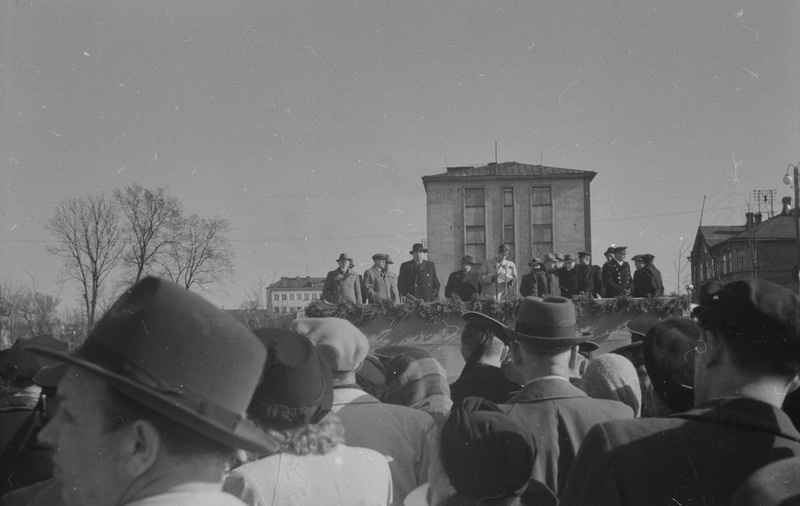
(765, 249)
(537, 209)
(292, 295)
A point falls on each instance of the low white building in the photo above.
(292, 295)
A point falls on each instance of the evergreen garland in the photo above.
(585, 305)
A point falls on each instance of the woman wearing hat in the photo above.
(312, 465)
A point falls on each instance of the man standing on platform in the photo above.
(464, 282)
(342, 284)
(589, 276)
(377, 282)
(617, 273)
(499, 276)
(647, 279)
(417, 277)
(568, 277)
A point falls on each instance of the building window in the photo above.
(276, 297)
(283, 296)
(305, 296)
(474, 223)
(313, 296)
(508, 220)
(541, 220)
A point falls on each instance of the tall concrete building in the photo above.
(537, 209)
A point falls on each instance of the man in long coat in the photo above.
(746, 363)
(617, 273)
(589, 276)
(545, 347)
(417, 277)
(464, 282)
(568, 277)
(535, 282)
(342, 284)
(378, 283)
(647, 280)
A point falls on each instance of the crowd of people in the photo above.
(170, 401)
(498, 278)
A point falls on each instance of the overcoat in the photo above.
(483, 380)
(647, 281)
(418, 281)
(697, 457)
(463, 284)
(568, 281)
(379, 285)
(340, 287)
(533, 284)
(559, 415)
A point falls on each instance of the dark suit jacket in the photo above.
(559, 415)
(485, 381)
(568, 281)
(647, 281)
(616, 278)
(697, 457)
(461, 284)
(589, 279)
(421, 282)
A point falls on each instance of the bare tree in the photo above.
(682, 266)
(38, 310)
(88, 236)
(151, 219)
(10, 299)
(200, 254)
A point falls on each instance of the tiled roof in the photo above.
(714, 234)
(298, 282)
(508, 170)
(777, 228)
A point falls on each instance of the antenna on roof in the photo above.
(702, 209)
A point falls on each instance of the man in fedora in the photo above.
(535, 282)
(152, 404)
(484, 346)
(553, 284)
(399, 432)
(568, 277)
(464, 282)
(417, 277)
(499, 276)
(617, 273)
(545, 347)
(342, 284)
(745, 363)
(378, 283)
(647, 279)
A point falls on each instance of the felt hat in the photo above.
(344, 258)
(177, 354)
(584, 254)
(379, 256)
(418, 247)
(50, 376)
(588, 347)
(485, 453)
(340, 342)
(639, 327)
(766, 314)
(467, 259)
(551, 257)
(668, 361)
(609, 251)
(548, 323)
(569, 257)
(637, 258)
(296, 388)
(483, 321)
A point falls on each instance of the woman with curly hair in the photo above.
(313, 465)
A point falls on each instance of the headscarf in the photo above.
(611, 376)
(417, 380)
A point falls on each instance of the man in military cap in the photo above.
(342, 284)
(417, 277)
(464, 282)
(746, 362)
(152, 405)
(545, 347)
(647, 278)
(617, 273)
(377, 282)
(484, 346)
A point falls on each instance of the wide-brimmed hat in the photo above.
(548, 323)
(297, 386)
(177, 354)
(636, 258)
(18, 363)
(609, 251)
(418, 247)
(343, 257)
(379, 256)
(340, 342)
(569, 257)
(467, 259)
(647, 258)
(669, 362)
(552, 257)
(484, 321)
(640, 327)
(535, 261)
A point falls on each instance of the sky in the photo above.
(309, 125)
